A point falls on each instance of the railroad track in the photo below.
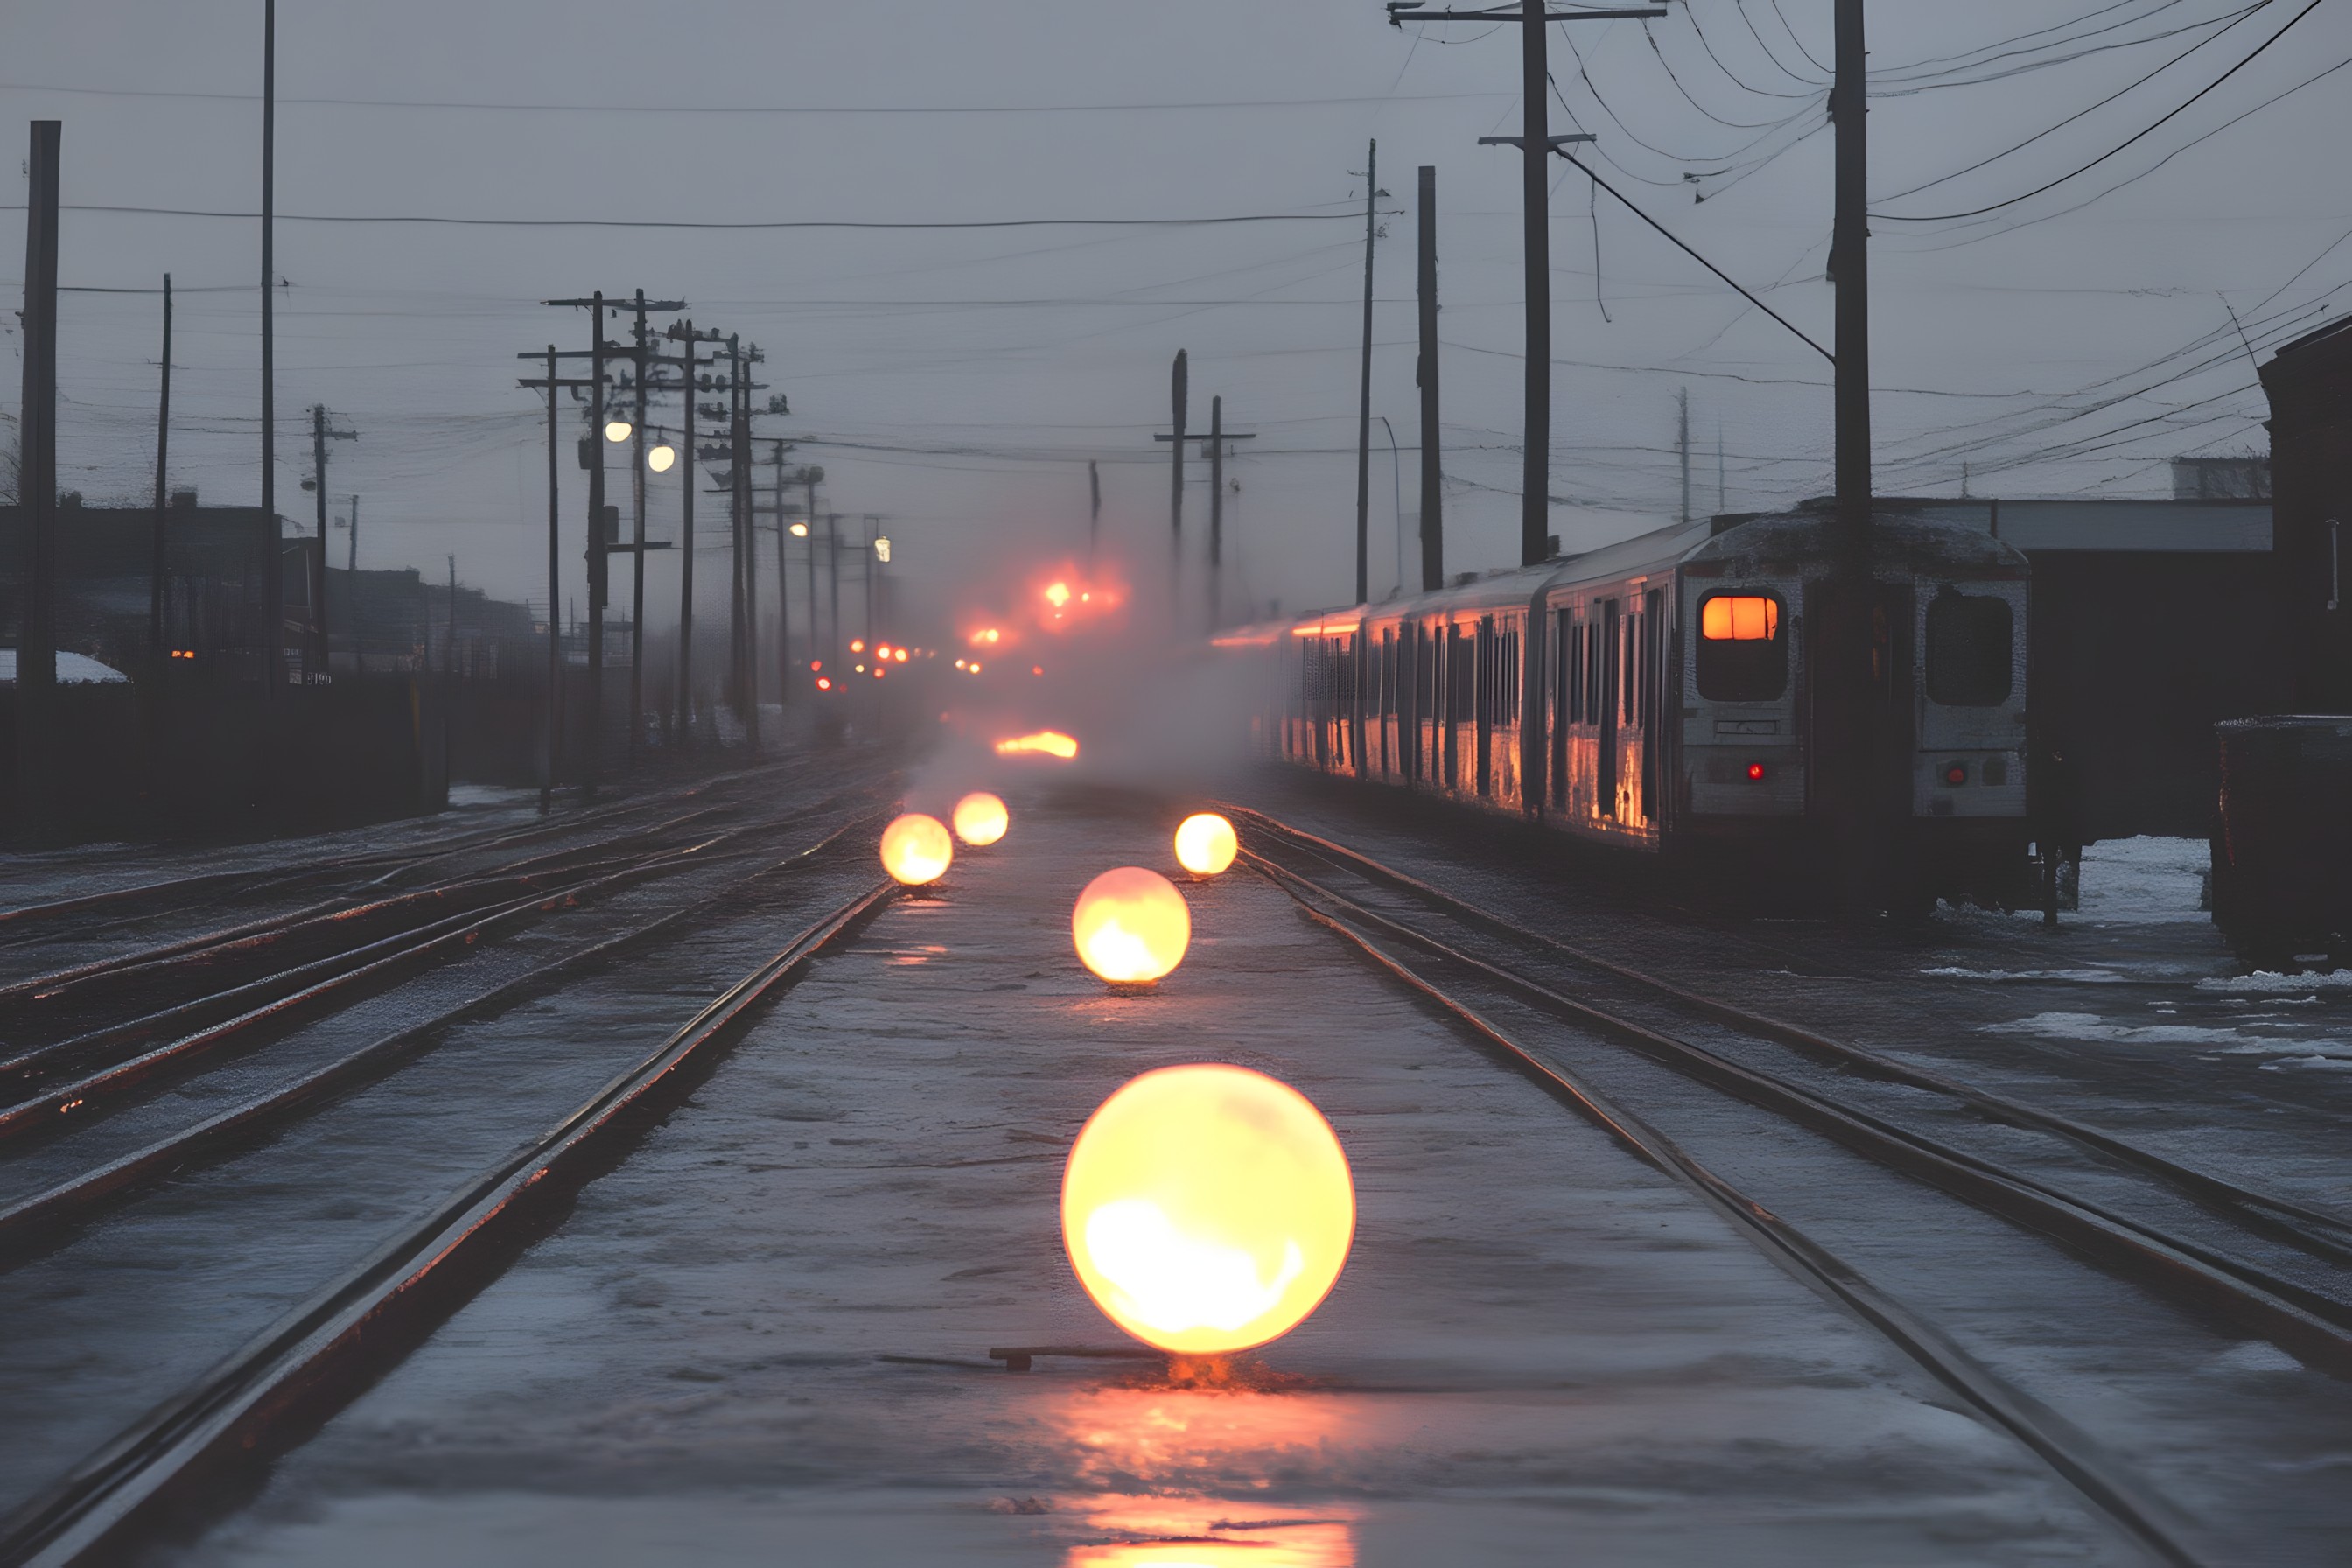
(2257, 1261)
(274, 1388)
(85, 916)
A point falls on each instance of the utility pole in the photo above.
(1094, 517)
(741, 448)
(833, 576)
(1534, 143)
(1214, 446)
(783, 591)
(1180, 396)
(1682, 444)
(155, 658)
(321, 432)
(273, 571)
(37, 489)
(1851, 803)
(685, 334)
(449, 662)
(1432, 451)
(637, 562)
(351, 559)
(812, 477)
(1372, 194)
(555, 386)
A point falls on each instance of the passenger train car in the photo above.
(1654, 697)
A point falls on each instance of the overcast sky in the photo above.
(955, 381)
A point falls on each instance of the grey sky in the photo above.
(963, 378)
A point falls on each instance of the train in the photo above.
(1654, 698)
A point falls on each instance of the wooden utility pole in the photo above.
(1214, 446)
(811, 477)
(1094, 517)
(352, 557)
(1852, 802)
(1364, 401)
(637, 539)
(1433, 450)
(1682, 445)
(1178, 399)
(554, 386)
(599, 563)
(321, 432)
(784, 589)
(161, 567)
(36, 490)
(273, 569)
(1534, 143)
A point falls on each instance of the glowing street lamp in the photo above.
(882, 549)
(799, 530)
(661, 458)
(1132, 926)
(618, 431)
(917, 849)
(980, 818)
(1205, 843)
(1207, 1208)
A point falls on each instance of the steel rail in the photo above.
(2249, 1204)
(271, 1001)
(2313, 1325)
(2072, 1453)
(30, 1225)
(314, 1359)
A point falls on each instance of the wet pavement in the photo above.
(760, 1340)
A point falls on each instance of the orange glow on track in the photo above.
(1044, 742)
(1207, 1208)
(1132, 926)
(917, 849)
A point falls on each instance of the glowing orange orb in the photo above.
(1207, 1208)
(1205, 843)
(1044, 742)
(980, 818)
(916, 849)
(1132, 925)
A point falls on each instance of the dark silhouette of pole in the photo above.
(1682, 445)
(163, 497)
(1217, 509)
(599, 563)
(351, 561)
(548, 780)
(1364, 389)
(811, 477)
(1432, 471)
(1178, 397)
(784, 589)
(685, 558)
(1094, 517)
(273, 563)
(320, 434)
(1853, 803)
(637, 560)
(36, 488)
(833, 590)
(742, 465)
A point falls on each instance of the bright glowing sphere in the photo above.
(1205, 843)
(980, 818)
(617, 430)
(1132, 925)
(916, 849)
(1207, 1208)
(660, 458)
(799, 530)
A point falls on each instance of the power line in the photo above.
(710, 224)
(2166, 117)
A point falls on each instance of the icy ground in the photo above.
(1542, 1350)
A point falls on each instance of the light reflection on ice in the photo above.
(1206, 1533)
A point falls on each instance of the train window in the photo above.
(1743, 653)
(1969, 645)
(1461, 677)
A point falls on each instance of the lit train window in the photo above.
(1742, 617)
(1742, 653)
(1970, 642)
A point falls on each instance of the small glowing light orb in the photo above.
(975, 668)
(917, 849)
(1132, 926)
(857, 644)
(825, 683)
(660, 458)
(618, 431)
(1044, 742)
(799, 530)
(980, 818)
(898, 654)
(1205, 843)
(960, 664)
(1058, 594)
(1207, 1208)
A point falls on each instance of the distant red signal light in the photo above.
(1756, 773)
(1957, 774)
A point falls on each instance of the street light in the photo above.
(799, 530)
(618, 431)
(660, 458)
(882, 549)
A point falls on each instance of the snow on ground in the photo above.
(2145, 881)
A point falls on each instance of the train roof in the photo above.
(1801, 539)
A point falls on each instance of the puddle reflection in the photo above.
(1205, 1533)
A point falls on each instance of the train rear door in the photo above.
(1971, 701)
